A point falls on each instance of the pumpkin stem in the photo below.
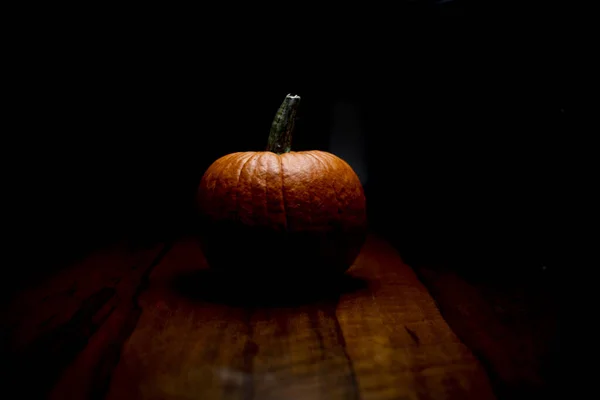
(280, 138)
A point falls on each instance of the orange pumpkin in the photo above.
(280, 211)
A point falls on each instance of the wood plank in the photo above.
(511, 324)
(376, 334)
(66, 331)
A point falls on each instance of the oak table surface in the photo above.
(380, 336)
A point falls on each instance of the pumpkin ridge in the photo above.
(237, 185)
(255, 168)
(335, 194)
(335, 159)
(250, 169)
(326, 168)
(283, 200)
(260, 167)
(311, 197)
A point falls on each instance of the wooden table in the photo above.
(177, 333)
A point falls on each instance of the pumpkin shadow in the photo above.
(242, 291)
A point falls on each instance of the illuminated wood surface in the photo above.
(153, 323)
(377, 335)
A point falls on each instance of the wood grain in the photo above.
(376, 334)
(511, 326)
(63, 336)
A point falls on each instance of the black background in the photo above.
(464, 110)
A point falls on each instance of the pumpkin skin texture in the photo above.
(294, 214)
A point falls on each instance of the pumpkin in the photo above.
(279, 211)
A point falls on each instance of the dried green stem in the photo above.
(280, 137)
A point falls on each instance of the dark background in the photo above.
(457, 112)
